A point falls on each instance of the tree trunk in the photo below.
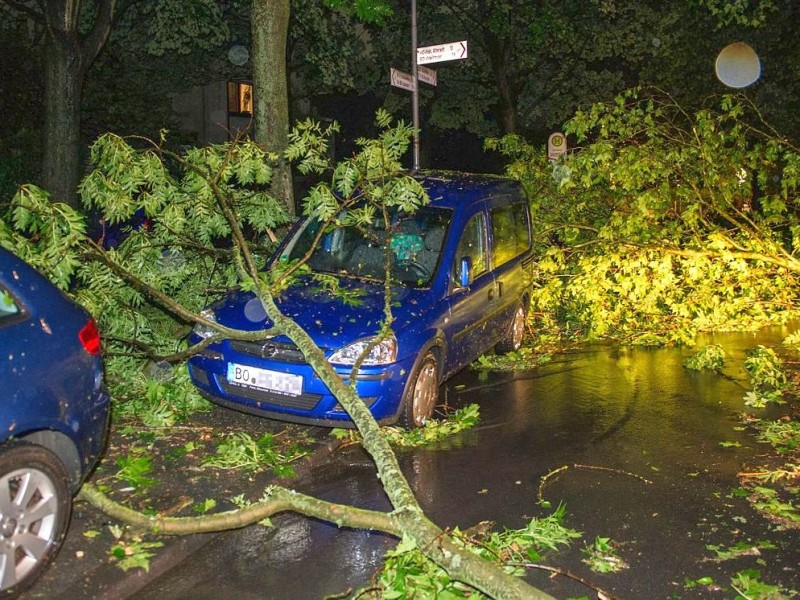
(270, 27)
(499, 56)
(68, 56)
(64, 79)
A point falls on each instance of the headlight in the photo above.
(203, 330)
(380, 354)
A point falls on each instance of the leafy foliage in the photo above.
(135, 469)
(767, 377)
(132, 552)
(664, 222)
(154, 402)
(371, 11)
(241, 451)
(602, 556)
(747, 584)
(709, 358)
(740, 549)
(741, 12)
(519, 360)
(435, 430)
(784, 435)
(181, 251)
(406, 574)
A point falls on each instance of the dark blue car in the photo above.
(54, 412)
(461, 271)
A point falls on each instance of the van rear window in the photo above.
(510, 232)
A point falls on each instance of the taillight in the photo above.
(90, 337)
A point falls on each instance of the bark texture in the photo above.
(68, 57)
(270, 27)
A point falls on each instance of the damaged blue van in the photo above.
(461, 270)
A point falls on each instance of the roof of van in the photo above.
(450, 188)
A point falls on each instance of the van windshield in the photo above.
(413, 245)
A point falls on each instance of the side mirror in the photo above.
(465, 271)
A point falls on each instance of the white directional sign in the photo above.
(402, 80)
(442, 52)
(405, 81)
(426, 75)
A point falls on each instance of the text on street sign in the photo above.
(401, 80)
(442, 52)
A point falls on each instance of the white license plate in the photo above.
(264, 379)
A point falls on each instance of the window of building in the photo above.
(240, 98)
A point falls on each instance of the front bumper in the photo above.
(380, 387)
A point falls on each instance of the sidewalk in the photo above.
(86, 568)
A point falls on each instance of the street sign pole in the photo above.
(415, 92)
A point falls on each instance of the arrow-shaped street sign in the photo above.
(402, 80)
(442, 52)
(405, 81)
(426, 75)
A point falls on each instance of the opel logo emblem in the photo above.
(269, 349)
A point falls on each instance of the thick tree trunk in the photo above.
(270, 27)
(68, 56)
(63, 86)
(499, 56)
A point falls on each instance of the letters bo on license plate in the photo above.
(264, 379)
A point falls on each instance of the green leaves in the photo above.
(406, 573)
(48, 235)
(748, 585)
(709, 358)
(371, 11)
(767, 377)
(602, 556)
(241, 451)
(135, 468)
(663, 222)
(133, 553)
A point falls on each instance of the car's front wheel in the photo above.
(422, 392)
(35, 506)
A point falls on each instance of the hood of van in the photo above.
(330, 321)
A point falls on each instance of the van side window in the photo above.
(510, 232)
(473, 246)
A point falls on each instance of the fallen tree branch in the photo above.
(277, 499)
(548, 475)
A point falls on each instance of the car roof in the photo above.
(449, 189)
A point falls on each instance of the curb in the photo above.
(101, 579)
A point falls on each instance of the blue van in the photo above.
(461, 271)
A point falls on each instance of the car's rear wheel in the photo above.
(422, 392)
(35, 506)
(513, 340)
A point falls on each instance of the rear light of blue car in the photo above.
(90, 337)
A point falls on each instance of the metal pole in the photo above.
(415, 93)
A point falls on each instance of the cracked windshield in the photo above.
(356, 245)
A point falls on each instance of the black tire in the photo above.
(513, 340)
(422, 392)
(35, 507)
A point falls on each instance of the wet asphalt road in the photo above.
(640, 437)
